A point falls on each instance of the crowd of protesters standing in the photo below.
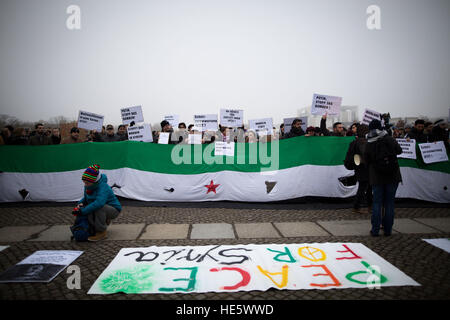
(422, 131)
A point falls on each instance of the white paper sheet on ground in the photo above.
(41, 266)
(230, 268)
(3, 247)
(443, 243)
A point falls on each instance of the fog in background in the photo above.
(189, 57)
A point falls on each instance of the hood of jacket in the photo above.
(375, 134)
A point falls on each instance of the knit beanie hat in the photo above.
(91, 174)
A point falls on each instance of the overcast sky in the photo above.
(188, 57)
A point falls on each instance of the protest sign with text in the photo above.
(370, 115)
(41, 266)
(224, 148)
(261, 126)
(164, 137)
(408, 147)
(174, 120)
(433, 152)
(322, 104)
(132, 114)
(90, 121)
(231, 118)
(140, 133)
(206, 122)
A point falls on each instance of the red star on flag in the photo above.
(211, 187)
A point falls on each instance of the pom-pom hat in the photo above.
(91, 174)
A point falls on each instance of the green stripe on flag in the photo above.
(283, 154)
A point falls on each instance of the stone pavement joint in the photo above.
(141, 231)
(411, 226)
(212, 231)
(441, 224)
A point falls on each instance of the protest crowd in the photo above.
(422, 131)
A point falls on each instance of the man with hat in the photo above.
(110, 136)
(99, 202)
(167, 127)
(74, 136)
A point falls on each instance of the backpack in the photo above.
(81, 229)
(385, 159)
(349, 162)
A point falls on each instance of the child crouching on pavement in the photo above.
(99, 202)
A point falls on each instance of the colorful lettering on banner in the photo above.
(286, 252)
(312, 254)
(191, 280)
(245, 277)
(328, 273)
(283, 273)
(230, 268)
(354, 255)
(371, 271)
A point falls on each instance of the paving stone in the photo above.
(212, 231)
(256, 230)
(165, 231)
(411, 226)
(347, 227)
(19, 233)
(300, 229)
(442, 224)
(124, 231)
(55, 233)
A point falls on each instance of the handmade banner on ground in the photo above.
(206, 122)
(230, 268)
(231, 118)
(433, 152)
(140, 133)
(408, 148)
(443, 243)
(261, 126)
(325, 104)
(41, 266)
(132, 114)
(90, 121)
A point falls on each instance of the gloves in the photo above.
(76, 211)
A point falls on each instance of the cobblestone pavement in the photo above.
(426, 264)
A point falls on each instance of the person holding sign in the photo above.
(384, 175)
(110, 136)
(99, 202)
(338, 128)
(417, 133)
(166, 127)
(440, 133)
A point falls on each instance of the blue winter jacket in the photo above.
(101, 194)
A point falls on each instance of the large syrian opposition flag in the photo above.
(285, 169)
